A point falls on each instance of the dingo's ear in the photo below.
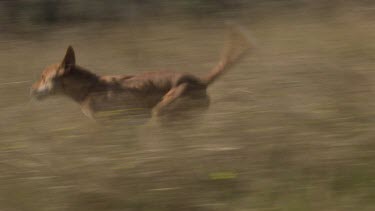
(69, 59)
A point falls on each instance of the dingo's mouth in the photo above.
(38, 95)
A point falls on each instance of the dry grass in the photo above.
(290, 128)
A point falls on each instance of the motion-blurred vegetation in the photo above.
(289, 128)
(77, 11)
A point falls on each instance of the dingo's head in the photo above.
(50, 82)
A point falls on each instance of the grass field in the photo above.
(289, 128)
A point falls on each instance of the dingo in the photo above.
(151, 93)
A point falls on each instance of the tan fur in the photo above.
(146, 93)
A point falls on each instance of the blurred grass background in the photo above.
(289, 128)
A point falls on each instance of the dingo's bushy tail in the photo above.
(235, 49)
